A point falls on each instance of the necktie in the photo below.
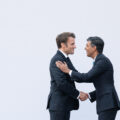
(68, 60)
(69, 63)
(93, 63)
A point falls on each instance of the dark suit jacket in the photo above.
(101, 75)
(63, 93)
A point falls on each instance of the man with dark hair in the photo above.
(98, 42)
(63, 95)
(101, 75)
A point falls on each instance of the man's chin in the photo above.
(88, 55)
(72, 53)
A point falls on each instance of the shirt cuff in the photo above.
(78, 96)
(70, 73)
(89, 96)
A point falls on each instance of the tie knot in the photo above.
(67, 58)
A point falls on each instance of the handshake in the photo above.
(83, 96)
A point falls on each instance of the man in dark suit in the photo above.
(101, 75)
(63, 96)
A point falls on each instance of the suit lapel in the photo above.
(69, 63)
(60, 54)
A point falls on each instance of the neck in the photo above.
(63, 51)
(94, 55)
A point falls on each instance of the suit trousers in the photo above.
(59, 115)
(107, 115)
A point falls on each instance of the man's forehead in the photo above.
(71, 39)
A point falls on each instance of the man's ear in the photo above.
(95, 48)
(62, 45)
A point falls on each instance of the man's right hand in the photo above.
(83, 96)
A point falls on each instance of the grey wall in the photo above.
(27, 42)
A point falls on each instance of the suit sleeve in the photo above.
(100, 67)
(93, 96)
(62, 82)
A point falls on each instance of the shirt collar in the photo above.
(94, 59)
(63, 53)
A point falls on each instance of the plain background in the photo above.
(28, 29)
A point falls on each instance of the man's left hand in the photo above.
(63, 66)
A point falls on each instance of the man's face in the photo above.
(90, 49)
(70, 46)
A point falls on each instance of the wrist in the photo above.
(68, 71)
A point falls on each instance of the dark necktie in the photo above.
(69, 63)
(93, 63)
(68, 60)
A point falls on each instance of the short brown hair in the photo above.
(63, 37)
